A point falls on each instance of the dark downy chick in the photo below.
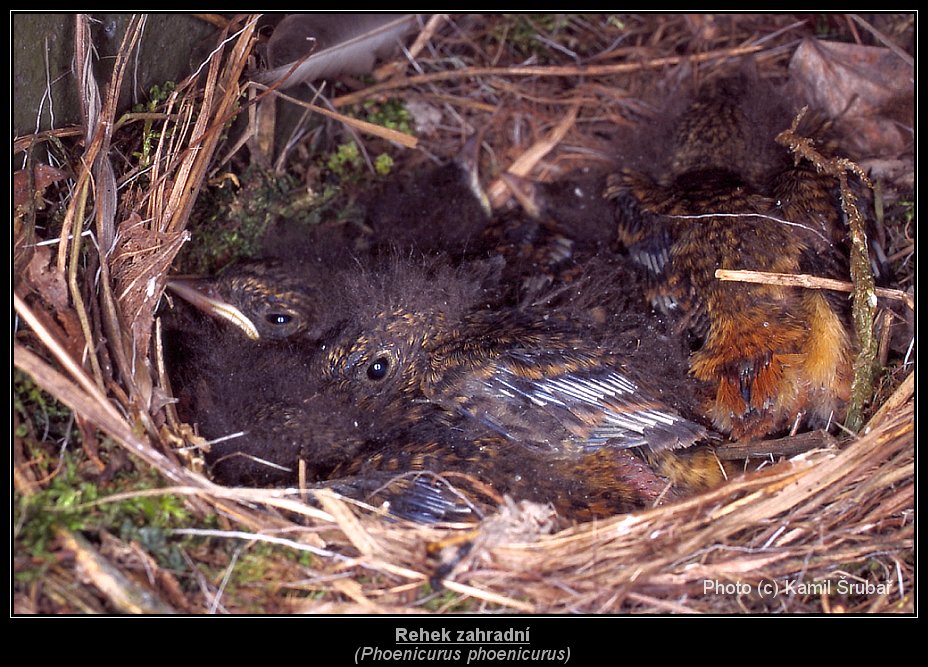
(239, 365)
(437, 474)
(421, 335)
(267, 412)
(265, 417)
(415, 467)
(276, 438)
(258, 404)
(265, 300)
(435, 210)
(572, 207)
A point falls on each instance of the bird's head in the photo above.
(382, 363)
(264, 300)
(398, 315)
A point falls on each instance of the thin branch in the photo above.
(573, 70)
(807, 281)
(405, 140)
(126, 595)
(903, 394)
(886, 41)
(863, 310)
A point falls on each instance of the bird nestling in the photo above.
(727, 197)
(420, 335)
(265, 300)
(441, 209)
(432, 473)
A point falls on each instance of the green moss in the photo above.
(391, 113)
(258, 571)
(907, 209)
(345, 159)
(36, 411)
(229, 221)
(383, 165)
(45, 435)
(616, 20)
(262, 563)
(898, 219)
(150, 137)
(48, 440)
(231, 218)
(901, 214)
(346, 162)
(70, 501)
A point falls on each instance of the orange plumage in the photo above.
(774, 354)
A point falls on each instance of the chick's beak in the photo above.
(201, 294)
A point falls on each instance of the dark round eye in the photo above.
(278, 318)
(378, 369)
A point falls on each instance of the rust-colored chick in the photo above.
(773, 354)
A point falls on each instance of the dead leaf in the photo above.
(869, 90)
(28, 196)
(43, 278)
(43, 175)
(139, 267)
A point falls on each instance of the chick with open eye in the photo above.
(265, 300)
(270, 423)
(258, 406)
(420, 335)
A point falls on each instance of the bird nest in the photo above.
(829, 529)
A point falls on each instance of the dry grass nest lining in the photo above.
(807, 518)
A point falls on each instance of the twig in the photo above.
(495, 598)
(789, 446)
(498, 191)
(467, 103)
(902, 395)
(97, 409)
(206, 136)
(573, 70)
(864, 293)
(348, 522)
(60, 353)
(431, 26)
(80, 310)
(23, 143)
(887, 42)
(810, 282)
(396, 136)
(214, 19)
(663, 605)
(98, 118)
(255, 537)
(125, 595)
